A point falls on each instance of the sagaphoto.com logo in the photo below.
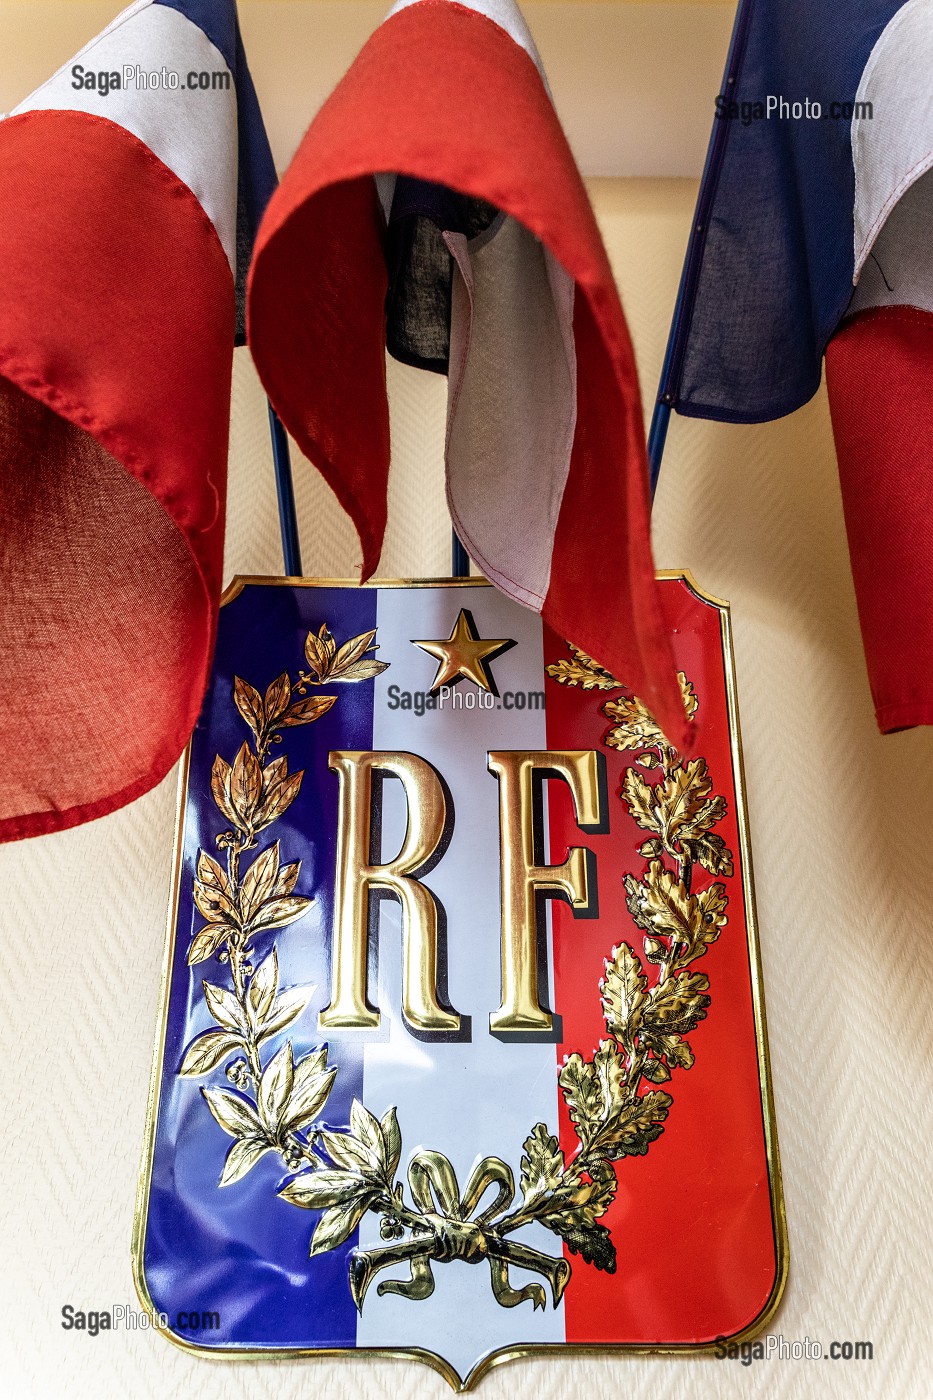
(92, 1322)
(777, 107)
(776, 1347)
(133, 78)
(459, 697)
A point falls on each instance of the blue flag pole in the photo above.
(288, 517)
(285, 490)
(669, 385)
(460, 560)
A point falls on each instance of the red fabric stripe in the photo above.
(116, 334)
(691, 1219)
(599, 596)
(316, 329)
(443, 94)
(879, 369)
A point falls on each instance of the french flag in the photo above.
(130, 187)
(813, 236)
(434, 207)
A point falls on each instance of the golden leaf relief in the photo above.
(676, 1006)
(267, 715)
(327, 664)
(311, 1087)
(581, 670)
(583, 1094)
(646, 1019)
(635, 727)
(542, 1165)
(623, 990)
(209, 1050)
(679, 809)
(249, 703)
(273, 1103)
(242, 1157)
(234, 1112)
(263, 985)
(225, 1008)
(661, 904)
(688, 695)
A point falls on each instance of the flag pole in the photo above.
(460, 560)
(288, 517)
(669, 385)
(285, 490)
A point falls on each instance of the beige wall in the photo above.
(634, 83)
(841, 824)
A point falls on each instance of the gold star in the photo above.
(464, 654)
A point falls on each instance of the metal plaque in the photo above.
(462, 1047)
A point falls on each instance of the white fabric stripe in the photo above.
(194, 133)
(899, 270)
(512, 404)
(451, 1096)
(893, 149)
(504, 13)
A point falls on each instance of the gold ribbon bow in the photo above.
(449, 1230)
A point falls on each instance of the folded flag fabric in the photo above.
(434, 207)
(812, 236)
(131, 184)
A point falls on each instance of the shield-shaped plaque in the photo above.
(462, 1050)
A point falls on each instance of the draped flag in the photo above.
(812, 236)
(130, 187)
(475, 252)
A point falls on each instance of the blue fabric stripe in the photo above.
(242, 1251)
(773, 261)
(217, 19)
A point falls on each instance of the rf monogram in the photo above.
(524, 881)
